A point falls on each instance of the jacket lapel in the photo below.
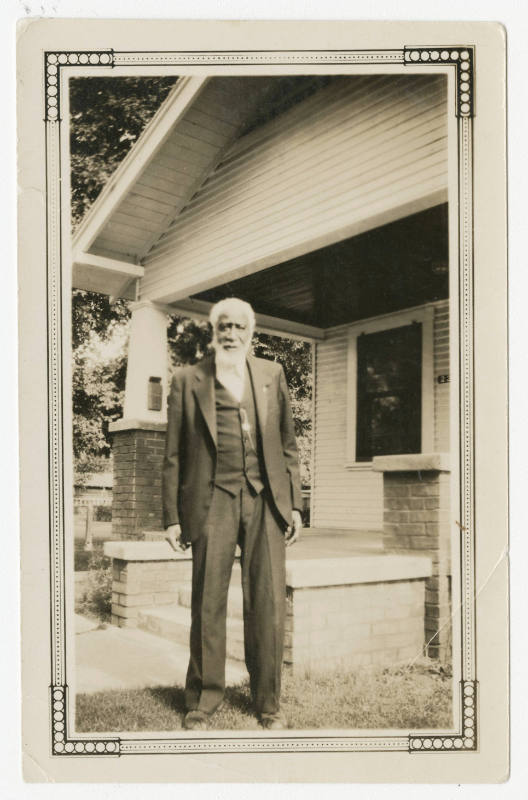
(205, 394)
(261, 383)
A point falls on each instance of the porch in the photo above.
(348, 602)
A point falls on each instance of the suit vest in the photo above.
(239, 457)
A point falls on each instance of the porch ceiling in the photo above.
(402, 264)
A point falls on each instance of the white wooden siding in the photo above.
(361, 152)
(353, 498)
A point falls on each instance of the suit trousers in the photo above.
(249, 520)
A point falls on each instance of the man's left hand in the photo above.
(293, 531)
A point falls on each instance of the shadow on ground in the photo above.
(411, 697)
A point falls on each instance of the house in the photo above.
(321, 200)
(92, 503)
(92, 490)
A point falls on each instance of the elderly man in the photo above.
(231, 476)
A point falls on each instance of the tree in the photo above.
(188, 339)
(296, 360)
(107, 115)
(99, 371)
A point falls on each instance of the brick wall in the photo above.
(329, 628)
(141, 584)
(138, 459)
(416, 519)
(341, 612)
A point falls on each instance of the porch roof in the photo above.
(395, 266)
(319, 199)
(180, 147)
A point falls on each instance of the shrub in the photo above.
(82, 558)
(97, 598)
(87, 559)
(102, 513)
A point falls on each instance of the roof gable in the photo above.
(179, 149)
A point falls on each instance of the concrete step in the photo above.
(234, 600)
(173, 622)
(129, 658)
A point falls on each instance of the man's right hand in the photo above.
(173, 536)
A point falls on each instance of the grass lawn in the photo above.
(410, 698)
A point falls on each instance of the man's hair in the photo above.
(232, 304)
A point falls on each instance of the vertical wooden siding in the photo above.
(358, 151)
(353, 498)
(342, 498)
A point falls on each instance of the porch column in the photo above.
(416, 499)
(139, 437)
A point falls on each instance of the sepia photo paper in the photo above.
(348, 181)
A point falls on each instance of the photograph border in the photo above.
(65, 743)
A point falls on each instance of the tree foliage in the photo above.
(296, 359)
(99, 371)
(189, 340)
(107, 115)
(93, 313)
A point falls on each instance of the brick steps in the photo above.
(173, 622)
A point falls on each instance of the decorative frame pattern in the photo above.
(66, 743)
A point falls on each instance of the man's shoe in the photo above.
(273, 722)
(196, 721)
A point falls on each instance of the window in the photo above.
(389, 401)
(390, 386)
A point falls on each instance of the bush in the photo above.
(97, 598)
(102, 514)
(84, 560)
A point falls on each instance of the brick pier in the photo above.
(350, 612)
(416, 518)
(138, 449)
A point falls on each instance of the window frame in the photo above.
(423, 315)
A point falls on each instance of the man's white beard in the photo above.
(229, 359)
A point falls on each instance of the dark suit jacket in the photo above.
(190, 451)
